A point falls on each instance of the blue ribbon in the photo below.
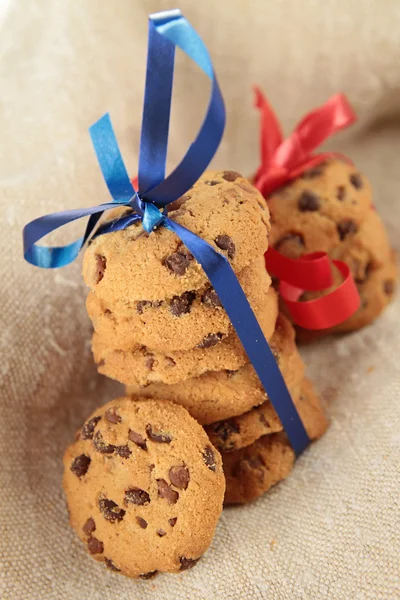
(149, 204)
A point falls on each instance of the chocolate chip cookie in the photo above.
(251, 471)
(144, 487)
(238, 432)
(175, 324)
(141, 366)
(320, 210)
(376, 291)
(368, 250)
(220, 395)
(223, 208)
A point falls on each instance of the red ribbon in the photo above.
(283, 160)
(327, 311)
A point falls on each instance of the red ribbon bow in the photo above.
(283, 160)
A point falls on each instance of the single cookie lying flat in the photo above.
(175, 324)
(223, 394)
(222, 208)
(144, 487)
(252, 470)
(141, 366)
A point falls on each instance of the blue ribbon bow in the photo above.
(150, 203)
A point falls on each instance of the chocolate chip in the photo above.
(178, 203)
(212, 182)
(181, 305)
(210, 298)
(101, 445)
(112, 416)
(210, 340)
(179, 476)
(136, 496)
(388, 287)
(157, 435)
(142, 305)
(150, 360)
(80, 465)
(166, 491)
(123, 451)
(148, 575)
(141, 522)
(253, 463)
(341, 192)
(161, 532)
(95, 546)
(346, 228)
(230, 175)
(137, 439)
(359, 271)
(313, 172)
(107, 312)
(187, 563)
(178, 262)
(89, 526)
(224, 242)
(264, 421)
(256, 462)
(209, 458)
(101, 263)
(356, 180)
(224, 429)
(309, 202)
(289, 242)
(173, 521)
(111, 511)
(109, 563)
(88, 428)
(230, 373)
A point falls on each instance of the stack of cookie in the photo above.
(145, 471)
(161, 330)
(330, 209)
(240, 420)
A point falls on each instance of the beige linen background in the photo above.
(332, 529)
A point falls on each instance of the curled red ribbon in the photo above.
(283, 160)
(327, 311)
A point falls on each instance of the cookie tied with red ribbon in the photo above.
(328, 246)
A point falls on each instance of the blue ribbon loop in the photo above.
(167, 30)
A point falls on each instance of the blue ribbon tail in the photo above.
(233, 298)
(156, 110)
(173, 27)
(58, 256)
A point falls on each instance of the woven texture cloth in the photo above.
(332, 529)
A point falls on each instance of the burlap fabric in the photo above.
(332, 529)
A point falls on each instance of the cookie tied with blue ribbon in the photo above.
(146, 213)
